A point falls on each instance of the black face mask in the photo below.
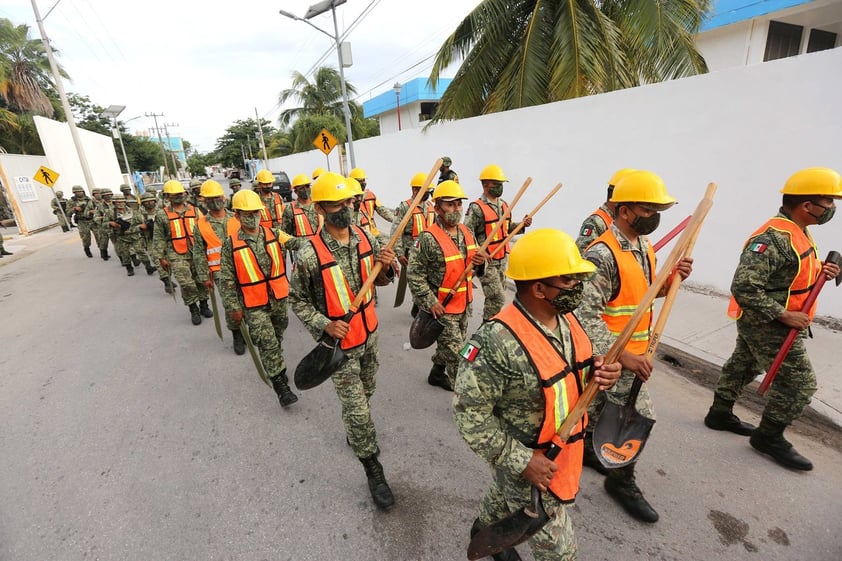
(340, 218)
(568, 299)
(496, 190)
(178, 199)
(645, 225)
(826, 215)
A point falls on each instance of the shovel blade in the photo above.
(620, 435)
(424, 331)
(510, 531)
(400, 294)
(319, 364)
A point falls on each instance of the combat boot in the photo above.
(381, 494)
(721, 417)
(65, 229)
(510, 554)
(590, 458)
(438, 377)
(195, 314)
(168, 285)
(769, 439)
(285, 395)
(620, 484)
(129, 270)
(88, 251)
(239, 342)
(104, 254)
(150, 269)
(135, 260)
(205, 311)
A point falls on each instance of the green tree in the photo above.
(307, 128)
(197, 164)
(243, 135)
(518, 53)
(26, 82)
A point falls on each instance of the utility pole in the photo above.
(169, 143)
(160, 141)
(262, 142)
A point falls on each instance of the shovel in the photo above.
(324, 360)
(621, 432)
(216, 323)
(524, 523)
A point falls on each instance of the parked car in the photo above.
(282, 185)
(234, 174)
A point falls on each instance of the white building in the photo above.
(417, 102)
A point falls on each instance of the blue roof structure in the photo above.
(726, 12)
(414, 90)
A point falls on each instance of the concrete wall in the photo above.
(745, 128)
(30, 200)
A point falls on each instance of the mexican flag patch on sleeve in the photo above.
(585, 231)
(469, 352)
(757, 247)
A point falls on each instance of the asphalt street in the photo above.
(128, 434)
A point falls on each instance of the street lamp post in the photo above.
(111, 112)
(313, 11)
(397, 88)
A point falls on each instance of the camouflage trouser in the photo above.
(555, 541)
(102, 235)
(757, 345)
(618, 395)
(355, 383)
(450, 342)
(266, 327)
(62, 221)
(228, 323)
(184, 273)
(493, 288)
(128, 246)
(85, 227)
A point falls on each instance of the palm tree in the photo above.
(25, 77)
(518, 53)
(321, 97)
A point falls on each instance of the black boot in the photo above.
(510, 554)
(239, 342)
(414, 311)
(769, 439)
(620, 484)
(203, 308)
(149, 268)
(590, 458)
(438, 377)
(88, 251)
(168, 285)
(129, 270)
(195, 314)
(381, 494)
(285, 395)
(135, 260)
(721, 417)
(65, 229)
(104, 254)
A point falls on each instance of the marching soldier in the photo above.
(131, 200)
(480, 219)
(172, 241)
(359, 214)
(300, 218)
(778, 267)
(147, 210)
(510, 399)
(254, 286)
(329, 271)
(599, 221)
(211, 229)
(235, 185)
(59, 206)
(126, 223)
(273, 211)
(195, 197)
(441, 254)
(445, 173)
(625, 267)
(422, 216)
(82, 211)
(103, 215)
(373, 205)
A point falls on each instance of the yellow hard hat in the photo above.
(449, 190)
(546, 253)
(492, 172)
(619, 174)
(173, 187)
(211, 188)
(358, 173)
(317, 172)
(823, 182)
(246, 199)
(644, 188)
(355, 186)
(418, 180)
(264, 176)
(331, 187)
(299, 180)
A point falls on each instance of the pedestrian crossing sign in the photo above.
(46, 176)
(325, 141)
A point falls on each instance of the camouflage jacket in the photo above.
(593, 227)
(405, 242)
(87, 205)
(498, 401)
(426, 268)
(55, 204)
(384, 211)
(133, 219)
(104, 214)
(200, 257)
(475, 219)
(448, 175)
(161, 239)
(288, 223)
(229, 289)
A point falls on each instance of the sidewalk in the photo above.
(699, 327)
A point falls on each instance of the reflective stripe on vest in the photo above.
(266, 219)
(370, 204)
(422, 218)
(633, 286)
(364, 220)
(181, 228)
(213, 244)
(252, 281)
(491, 218)
(809, 266)
(338, 294)
(301, 221)
(454, 265)
(562, 386)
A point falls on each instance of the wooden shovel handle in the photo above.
(521, 225)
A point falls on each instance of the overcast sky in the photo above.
(205, 64)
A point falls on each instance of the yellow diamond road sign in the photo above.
(46, 176)
(325, 141)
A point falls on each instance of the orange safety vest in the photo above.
(454, 265)
(633, 286)
(251, 280)
(266, 217)
(604, 215)
(301, 221)
(809, 266)
(181, 228)
(562, 385)
(491, 218)
(421, 218)
(213, 244)
(365, 220)
(338, 294)
(370, 205)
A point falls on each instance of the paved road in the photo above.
(128, 434)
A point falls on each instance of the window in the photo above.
(428, 110)
(821, 40)
(783, 40)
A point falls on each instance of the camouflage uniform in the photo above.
(498, 405)
(593, 227)
(760, 286)
(83, 217)
(406, 241)
(355, 381)
(130, 244)
(425, 274)
(448, 175)
(200, 259)
(493, 279)
(103, 214)
(60, 216)
(288, 223)
(146, 236)
(181, 266)
(385, 213)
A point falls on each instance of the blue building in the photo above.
(417, 101)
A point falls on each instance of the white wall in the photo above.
(16, 172)
(728, 46)
(746, 128)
